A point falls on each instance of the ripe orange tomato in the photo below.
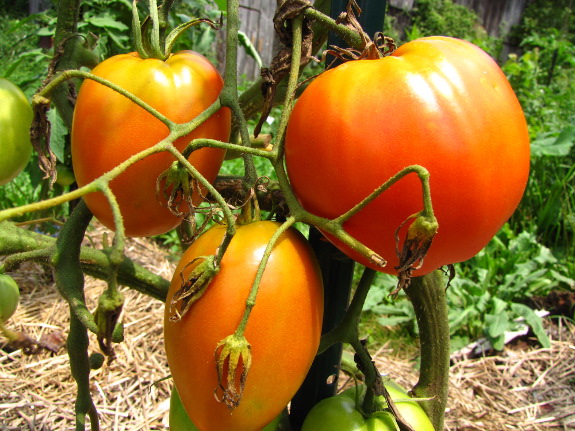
(438, 102)
(284, 327)
(108, 128)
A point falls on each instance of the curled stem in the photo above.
(233, 353)
(70, 283)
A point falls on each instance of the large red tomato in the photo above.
(108, 128)
(438, 102)
(284, 327)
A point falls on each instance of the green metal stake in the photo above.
(337, 269)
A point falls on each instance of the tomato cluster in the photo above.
(437, 102)
(343, 412)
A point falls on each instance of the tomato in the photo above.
(438, 102)
(284, 327)
(15, 120)
(9, 297)
(180, 421)
(340, 413)
(108, 128)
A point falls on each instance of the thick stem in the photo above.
(229, 96)
(21, 245)
(77, 346)
(427, 294)
(349, 35)
(70, 283)
(71, 52)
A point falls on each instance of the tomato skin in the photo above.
(180, 421)
(438, 102)
(340, 413)
(9, 297)
(15, 120)
(108, 128)
(284, 327)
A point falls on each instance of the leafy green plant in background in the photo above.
(486, 296)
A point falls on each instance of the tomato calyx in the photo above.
(193, 287)
(176, 186)
(419, 237)
(233, 355)
(156, 44)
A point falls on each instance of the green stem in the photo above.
(251, 300)
(20, 245)
(77, 346)
(70, 282)
(229, 94)
(349, 35)
(423, 175)
(157, 50)
(70, 52)
(291, 87)
(427, 294)
(137, 32)
(66, 262)
(196, 144)
(69, 74)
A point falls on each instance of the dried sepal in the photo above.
(107, 316)
(40, 137)
(419, 237)
(192, 286)
(281, 63)
(178, 189)
(233, 359)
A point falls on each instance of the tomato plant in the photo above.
(9, 297)
(437, 102)
(283, 329)
(15, 120)
(108, 128)
(341, 413)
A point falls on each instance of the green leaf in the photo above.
(107, 22)
(534, 321)
(497, 324)
(393, 321)
(249, 47)
(556, 146)
(222, 5)
(58, 134)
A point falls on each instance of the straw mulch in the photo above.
(521, 389)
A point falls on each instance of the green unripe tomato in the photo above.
(65, 175)
(9, 297)
(340, 413)
(15, 120)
